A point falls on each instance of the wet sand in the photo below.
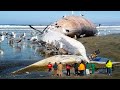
(6, 67)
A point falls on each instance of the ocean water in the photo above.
(16, 56)
(105, 30)
(23, 51)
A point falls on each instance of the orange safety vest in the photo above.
(81, 67)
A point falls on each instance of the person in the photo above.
(81, 68)
(87, 68)
(60, 66)
(97, 51)
(49, 66)
(109, 67)
(75, 68)
(90, 57)
(68, 69)
(106, 66)
(93, 56)
(93, 68)
(55, 66)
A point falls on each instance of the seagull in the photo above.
(1, 38)
(34, 38)
(18, 41)
(1, 52)
(13, 34)
(82, 35)
(23, 35)
(81, 15)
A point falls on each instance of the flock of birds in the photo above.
(13, 38)
(17, 40)
(45, 40)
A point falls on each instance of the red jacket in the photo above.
(67, 66)
(49, 65)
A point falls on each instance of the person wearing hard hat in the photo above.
(109, 67)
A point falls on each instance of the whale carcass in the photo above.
(64, 59)
(75, 48)
(60, 40)
(75, 25)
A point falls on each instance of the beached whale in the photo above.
(64, 59)
(75, 48)
(61, 41)
(75, 25)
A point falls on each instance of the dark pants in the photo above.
(109, 71)
(81, 72)
(76, 71)
(68, 72)
(49, 69)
